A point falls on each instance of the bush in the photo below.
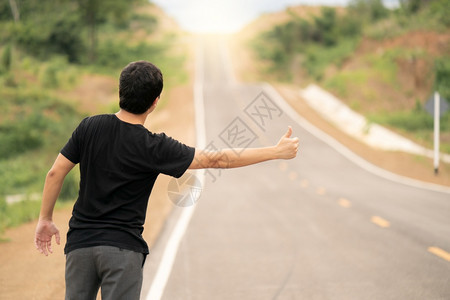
(439, 9)
(43, 37)
(325, 31)
(32, 120)
(22, 135)
(318, 58)
(6, 59)
(69, 190)
(442, 77)
(115, 54)
(370, 10)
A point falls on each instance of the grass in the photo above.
(13, 215)
(318, 58)
(344, 82)
(417, 124)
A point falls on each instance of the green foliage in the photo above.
(15, 214)
(318, 58)
(69, 190)
(325, 29)
(421, 15)
(65, 38)
(324, 40)
(146, 22)
(64, 27)
(409, 121)
(384, 66)
(6, 59)
(329, 38)
(21, 135)
(344, 81)
(442, 76)
(33, 121)
(416, 123)
(118, 53)
(412, 6)
(55, 72)
(368, 10)
(440, 10)
(43, 37)
(96, 12)
(23, 173)
(33, 128)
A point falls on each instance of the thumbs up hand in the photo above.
(287, 147)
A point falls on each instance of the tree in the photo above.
(14, 10)
(372, 10)
(413, 6)
(95, 12)
(325, 27)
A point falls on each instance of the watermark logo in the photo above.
(237, 135)
(184, 191)
(262, 110)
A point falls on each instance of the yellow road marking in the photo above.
(439, 252)
(344, 203)
(304, 183)
(321, 191)
(293, 175)
(380, 222)
(283, 166)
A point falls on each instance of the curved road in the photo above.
(316, 227)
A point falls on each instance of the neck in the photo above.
(131, 118)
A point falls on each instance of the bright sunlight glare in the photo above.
(227, 16)
(206, 16)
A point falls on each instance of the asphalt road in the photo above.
(316, 227)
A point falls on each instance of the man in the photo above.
(119, 163)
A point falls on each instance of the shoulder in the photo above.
(162, 140)
(96, 119)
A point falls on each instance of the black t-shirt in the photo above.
(119, 163)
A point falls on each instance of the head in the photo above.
(140, 86)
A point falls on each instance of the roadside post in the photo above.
(436, 106)
(436, 132)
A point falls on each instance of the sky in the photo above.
(226, 16)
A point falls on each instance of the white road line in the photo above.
(170, 252)
(345, 151)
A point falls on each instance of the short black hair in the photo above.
(141, 82)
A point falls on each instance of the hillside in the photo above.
(384, 73)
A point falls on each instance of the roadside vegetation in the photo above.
(45, 48)
(384, 63)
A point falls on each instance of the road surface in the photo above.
(316, 227)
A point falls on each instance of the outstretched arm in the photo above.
(45, 228)
(286, 148)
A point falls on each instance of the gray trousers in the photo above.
(117, 271)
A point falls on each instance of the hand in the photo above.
(287, 147)
(43, 237)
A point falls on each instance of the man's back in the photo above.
(119, 163)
